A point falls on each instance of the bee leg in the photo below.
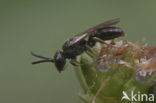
(90, 52)
(99, 40)
(74, 62)
(102, 41)
(89, 48)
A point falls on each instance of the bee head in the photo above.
(59, 60)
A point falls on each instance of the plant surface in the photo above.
(116, 68)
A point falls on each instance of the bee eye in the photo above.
(59, 61)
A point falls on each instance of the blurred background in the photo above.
(42, 27)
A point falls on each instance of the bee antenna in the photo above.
(38, 56)
(42, 61)
(45, 59)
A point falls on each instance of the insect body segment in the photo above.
(106, 33)
(78, 44)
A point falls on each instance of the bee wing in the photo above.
(102, 25)
(78, 38)
(86, 33)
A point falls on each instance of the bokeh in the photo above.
(42, 27)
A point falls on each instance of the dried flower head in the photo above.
(142, 59)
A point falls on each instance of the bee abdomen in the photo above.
(110, 33)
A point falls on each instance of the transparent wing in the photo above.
(86, 33)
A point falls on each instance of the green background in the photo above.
(42, 27)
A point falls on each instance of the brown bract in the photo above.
(148, 59)
(121, 52)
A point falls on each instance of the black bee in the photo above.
(77, 45)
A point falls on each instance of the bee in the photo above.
(78, 44)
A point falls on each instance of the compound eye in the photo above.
(59, 61)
